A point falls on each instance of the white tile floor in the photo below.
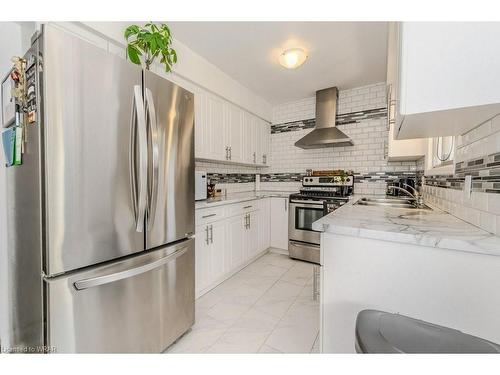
(265, 308)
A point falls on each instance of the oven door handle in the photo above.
(306, 204)
(303, 246)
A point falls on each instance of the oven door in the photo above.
(302, 216)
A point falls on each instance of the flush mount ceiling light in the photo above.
(293, 58)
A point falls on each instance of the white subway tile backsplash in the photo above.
(366, 156)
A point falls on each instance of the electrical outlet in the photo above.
(467, 187)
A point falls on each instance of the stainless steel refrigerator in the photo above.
(101, 211)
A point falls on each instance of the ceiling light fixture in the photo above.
(293, 58)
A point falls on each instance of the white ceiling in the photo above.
(343, 54)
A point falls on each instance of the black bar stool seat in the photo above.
(383, 332)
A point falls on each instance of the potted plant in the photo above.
(149, 42)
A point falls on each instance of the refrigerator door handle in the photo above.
(138, 178)
(132, 159)
(153, 133)
(101, 280)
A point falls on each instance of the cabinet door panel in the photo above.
(255, 141)
(247, 136)
(235, 234)
(202, 259)
(215, 128)
(279, 223)
(265, 138)
(217, 250)
(233, 131)
(252, 235)
(264, 224)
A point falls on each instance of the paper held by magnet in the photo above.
(9, 145)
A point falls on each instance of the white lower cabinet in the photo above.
(225, 242)
(279, 223)
(218, 251)
(235, 233)
(202, 257)
(251, 236)
(264, 220)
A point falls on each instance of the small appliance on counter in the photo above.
(200, 182)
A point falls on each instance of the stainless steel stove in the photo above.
(318, 196)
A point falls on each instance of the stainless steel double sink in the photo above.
(391, 202)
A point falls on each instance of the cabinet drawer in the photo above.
(209, 215)
(241, 208)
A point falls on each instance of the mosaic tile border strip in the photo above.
(343, 119)
(489, 184)
(485, 172)
(281, 177)
(386, 176)
(231, 178)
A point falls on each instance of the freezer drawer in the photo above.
(141, 304)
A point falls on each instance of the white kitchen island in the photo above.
(426, 264)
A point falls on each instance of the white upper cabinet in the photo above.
(446, 79)
(215, 129)
(227, 133)
(233, 133)
(397, 150)
(209, 126)
(264, 141)
(249, 155)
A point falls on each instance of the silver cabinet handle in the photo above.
(386, 149)
(227, 153)
(247, 207)
(230, 152)
(211, 234)
(391, 108)
(154, 152)
(254, 156)
(206, 235)
(286, 204)
(138, 141)
(106, 279)
(388, 103)
(205, 216)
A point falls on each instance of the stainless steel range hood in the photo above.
(325, 133)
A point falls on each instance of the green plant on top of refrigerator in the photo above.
(150, 42)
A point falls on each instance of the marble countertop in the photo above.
(241, 197)
(432, 228)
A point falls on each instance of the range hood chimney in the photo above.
(325, 133)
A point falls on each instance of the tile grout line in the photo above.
(252, 305)
(289, 307)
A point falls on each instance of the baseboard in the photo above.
(275, 250)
